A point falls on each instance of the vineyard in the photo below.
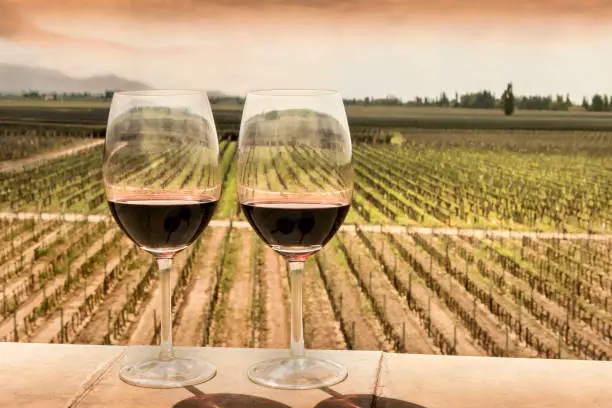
(406, 273)
(432, 180)
(84, 282)
(22, 142)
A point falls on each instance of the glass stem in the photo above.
(166, 352)
(296, 269)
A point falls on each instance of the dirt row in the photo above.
(358, 321)
(238, 296)
(51, 326)
(395, 311)
(555, 310)
(505, 300)
(440, 316)
(466, 300)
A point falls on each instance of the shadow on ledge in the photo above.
(225, 400)
(362, 401)
(228, 400)
(365, 401)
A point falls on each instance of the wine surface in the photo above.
(295, 227)
(162, 225)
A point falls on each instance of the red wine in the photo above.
(295, 228)
(161, 225)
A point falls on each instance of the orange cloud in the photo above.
(19, 17)
(361, 10)
(18, 24)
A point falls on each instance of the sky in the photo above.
(363, 48)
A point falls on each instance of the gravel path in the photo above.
(391, 229)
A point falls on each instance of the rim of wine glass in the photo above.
(161, 92)
(293, 92)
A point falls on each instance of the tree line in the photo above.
(483, 99)
(486, 99)
(106, 95)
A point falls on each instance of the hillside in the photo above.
(18, 78)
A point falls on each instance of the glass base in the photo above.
(175, 373)
(297, 373)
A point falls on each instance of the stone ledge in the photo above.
(49, 376)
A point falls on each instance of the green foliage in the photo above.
(485, 99)
(536, 102)
(585, 103)
(455, 101)
(444, 102)
(518, 180)
(597, 103)
(40, 252)
(397, 139)
(508, 100)
(479, 100)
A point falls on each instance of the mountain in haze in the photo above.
(23, 78)
(19, 78)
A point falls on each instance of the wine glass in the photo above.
(295, 186)
(162, 184)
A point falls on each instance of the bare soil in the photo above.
(21, 164)
(94, 330)
(395, 308)
(530, 321)
(26, 308)
(142, 329)
(275, 294)
(355, 309)
(233, 326)
(441, 317)
(47, 330)
(321, 329)
(484, 317)
(189, 327)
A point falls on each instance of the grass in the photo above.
(352, 110)
(229, 268)
(227, 278)
(258, 305)
(569, 167)
(340, 261)
(40, 252)
(227, 203)
(390, 117)
(35, 103)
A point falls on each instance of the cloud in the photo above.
(23, 21)
(13, 23)
(350, 10)
(18, 24)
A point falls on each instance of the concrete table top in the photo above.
(50, 376)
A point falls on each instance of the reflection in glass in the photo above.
(295, 185)
(162, 183)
